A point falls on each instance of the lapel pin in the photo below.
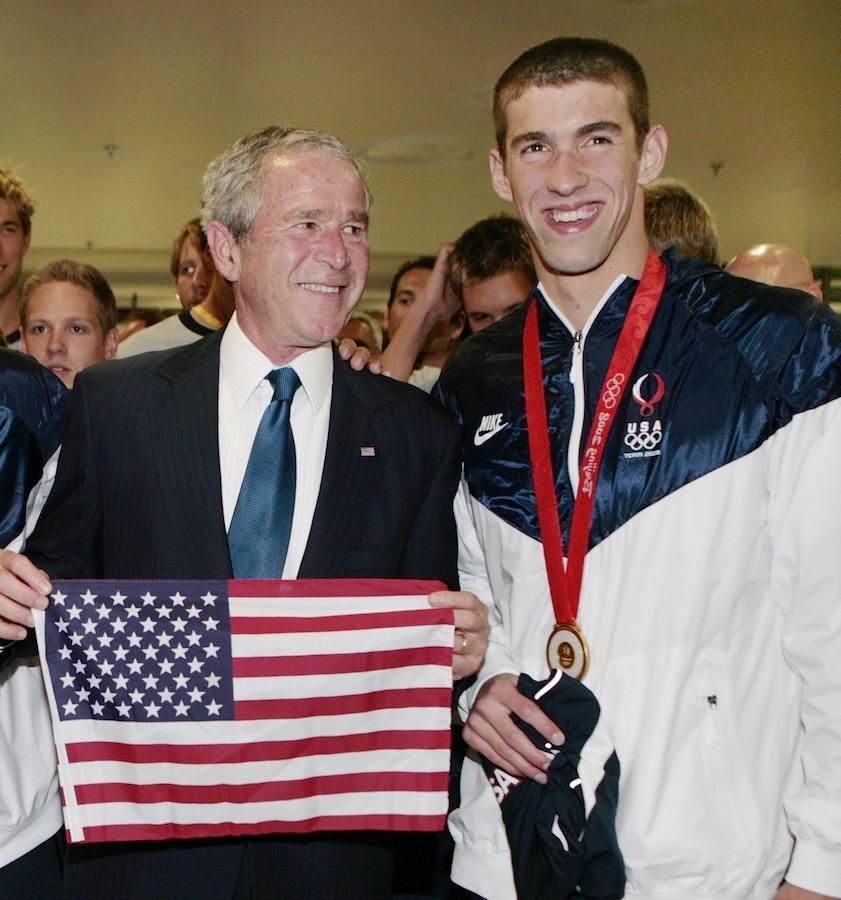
(367, 451)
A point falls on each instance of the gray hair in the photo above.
(234, 181)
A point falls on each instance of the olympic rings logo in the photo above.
(644, 439)
(612, 390)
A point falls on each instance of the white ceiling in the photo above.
(753, 83)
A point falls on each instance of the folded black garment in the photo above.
(563, 845)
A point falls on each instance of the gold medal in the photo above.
(567, 650)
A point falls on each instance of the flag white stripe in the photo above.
(331, 642)
(402, 719)
(323, 606)
(354, 804)
(346, 684)
(263, 772)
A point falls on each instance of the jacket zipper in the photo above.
(576, 377)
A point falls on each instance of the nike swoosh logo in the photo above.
(481, 436)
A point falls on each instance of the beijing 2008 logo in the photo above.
(643, 438)
(647, 406)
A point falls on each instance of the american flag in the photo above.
(186, 709)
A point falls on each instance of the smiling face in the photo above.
(574, 170)
(302, 267)
(63, 332)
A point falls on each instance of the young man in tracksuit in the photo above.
(709, 608)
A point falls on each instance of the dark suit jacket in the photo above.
(138, 490)
(138, 495)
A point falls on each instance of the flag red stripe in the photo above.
(335, 588)
(352, 622)
(263, 792)
(301, 707)
(340, 663)
(214, 754)
(382, 822)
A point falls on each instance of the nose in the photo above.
(55, 343)
(568, 174)
(201, 276)
(332, 249)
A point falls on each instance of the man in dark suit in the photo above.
(159, 453)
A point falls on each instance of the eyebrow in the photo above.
(527, 137)
(590, 128)
(320, 215)
(40, 320)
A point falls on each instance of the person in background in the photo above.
(678, 219)
(364, 330)
(68, 316)
(189, 264)
(16, 209)
(471, 284)
(131, 321)
(491, 270)
(211, 301)
(778, 265)
(423, 319)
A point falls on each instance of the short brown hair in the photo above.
(83, 276)
(491, 247)
(194, 232)
(677, 218)
(13, 190)
(567, 60)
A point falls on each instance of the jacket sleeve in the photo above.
(66, 542)
(431, 546)
(473, 576)
(804, 480)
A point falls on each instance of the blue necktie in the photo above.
(259, 534)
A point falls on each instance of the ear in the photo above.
(224, 250)
(457, 325)
(112, 341)
(653, 156)
(27, 239)
(498, 176)
(815, 290)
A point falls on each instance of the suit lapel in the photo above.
(349, 479)
(183, 423)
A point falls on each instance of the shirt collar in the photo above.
(593, 315)
(242, 367)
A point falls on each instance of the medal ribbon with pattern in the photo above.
(567, 647)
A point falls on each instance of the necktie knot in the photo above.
(285, 382)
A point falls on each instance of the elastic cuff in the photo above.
(815, 867)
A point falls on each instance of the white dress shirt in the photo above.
(244, 395)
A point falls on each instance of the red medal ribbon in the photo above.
(565, 584)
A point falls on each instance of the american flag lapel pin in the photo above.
(367, 451)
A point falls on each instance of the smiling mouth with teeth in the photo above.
(320, 288)
(583, 214)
